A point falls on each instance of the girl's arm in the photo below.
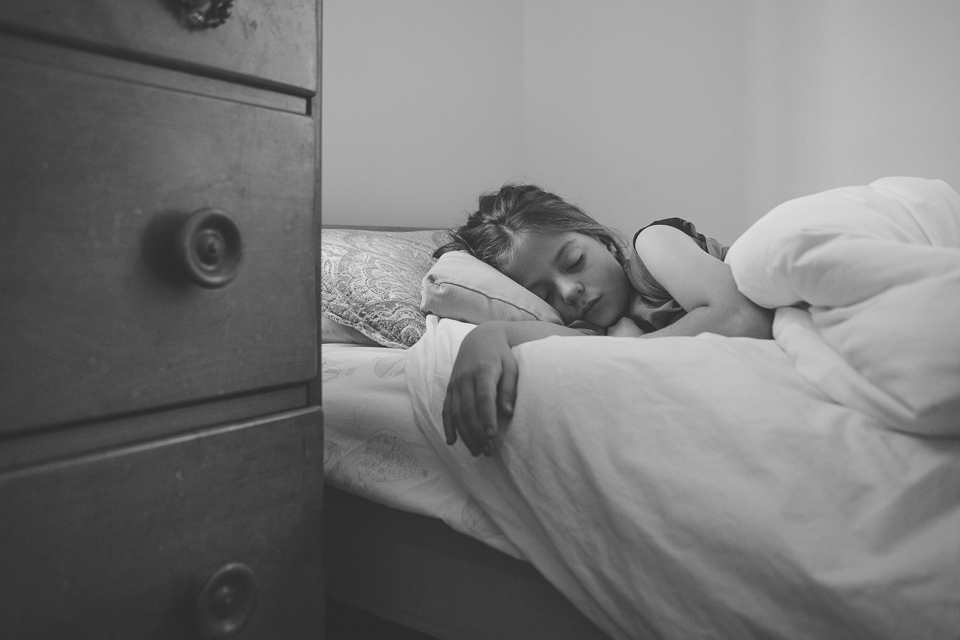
(483, 383)
(703, 285)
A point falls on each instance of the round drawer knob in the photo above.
(226, 601)
(206, 14)
(208, 247)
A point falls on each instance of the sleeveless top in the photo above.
(651, 307)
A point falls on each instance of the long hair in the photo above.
(503, 218)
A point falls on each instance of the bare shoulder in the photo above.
(661, 242)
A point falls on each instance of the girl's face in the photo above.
(576, 274)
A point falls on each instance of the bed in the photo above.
(703, 487)
(403, 539)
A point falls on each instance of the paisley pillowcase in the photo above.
(370, 281)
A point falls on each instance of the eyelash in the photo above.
(548, 296)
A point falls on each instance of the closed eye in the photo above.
(576, 266)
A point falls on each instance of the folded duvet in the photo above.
(867, 280)
(710, 487)
(702, 488)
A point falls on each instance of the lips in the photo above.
(588, 307)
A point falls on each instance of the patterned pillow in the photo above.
(370, 281)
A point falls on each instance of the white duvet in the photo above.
(715, 487)
(879, 267)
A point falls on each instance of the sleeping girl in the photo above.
(671, 282)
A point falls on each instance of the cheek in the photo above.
(620, 290)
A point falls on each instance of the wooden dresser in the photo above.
(160, 434)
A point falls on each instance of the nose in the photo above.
(569, 291)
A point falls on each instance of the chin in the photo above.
(603, 323)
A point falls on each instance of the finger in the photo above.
(619, 327)
(465, 419)
(507, 388)
(486, 411)
(449, 429)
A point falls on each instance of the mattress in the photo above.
(373, 447)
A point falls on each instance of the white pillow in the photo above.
(461, 287)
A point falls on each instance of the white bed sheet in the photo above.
(373, 448)
(702, 488)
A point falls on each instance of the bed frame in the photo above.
(418, 572)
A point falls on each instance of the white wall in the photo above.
(422, 107)
(635, 109)
(718, 111)
(846, 92)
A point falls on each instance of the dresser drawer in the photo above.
(98, 317)
(120, 544)
(272, 40)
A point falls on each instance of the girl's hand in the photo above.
(482, 388)
(625, 328)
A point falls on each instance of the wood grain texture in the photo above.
(273, 41)
(106, 66)
(113, 544)
(98, 174)
(151, 430)
(33, 448)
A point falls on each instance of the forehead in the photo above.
(536, 254)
